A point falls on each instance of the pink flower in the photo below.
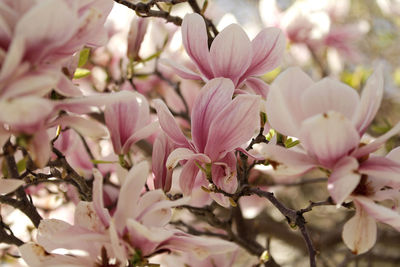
(232, 55)
(162, 147)
(128, 121)
(219, 126)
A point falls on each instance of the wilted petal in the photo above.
(9, 185)
(169, 125)
(283, 102)
(344, 179)
(234, 126)
(195, 41)
(268, 48)
(371, 98)
(229, 53)
(85, 216)
(329, 95)
(328, 136)
(213, 97)
(380, 213)
(359, 233)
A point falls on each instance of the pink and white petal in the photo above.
(86, 217)
(268, 47)
(185, 154)
(35, 256)
(169, 125)
(229, 53)
(258, 86)
(380, 213)
(188, 177)
(140, 134)
(377, 143)
(344, 179)
(40, 148)
(86, 127)
(47, 229)
(147, 239)
(382, 168)
(285, 161)
(85, 104)
(329, 94)
(328, 137)
(181, 70)
(371, 98)
(117, 247)
(283, 102)
(394, 154)
(359, 233)
(14, 57)
(98, 199)
(9, 185)
(213, 97)
(233, 126)
(66, 87)
(162, 147)
(129, 194)
(195, 41)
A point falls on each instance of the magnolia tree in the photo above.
(155, 136)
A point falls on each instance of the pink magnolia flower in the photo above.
(232, 55)
(129, 121)
(162, 147)
(219, 126)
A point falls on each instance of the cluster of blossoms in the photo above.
(95, 136)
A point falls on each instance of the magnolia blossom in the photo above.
(232, 55)
(219, 126)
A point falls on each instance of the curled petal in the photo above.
(86, 127)
(188, 177)
(185, 154)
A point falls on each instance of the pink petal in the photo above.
(382, 168)
(86, 217)
(258, 86)
(86, 127)
(344, 179)
(130, 193)
(229, 53)
(394, 154)
(329, 94)
(359, 233)
(188, 176)
(9, 185)
(371, 98)
(283, 102)
(140, 134)
(285, 161)
(180, 70)
(328, 137)
(185, 154)
(162, 147)
(169, 125)
(195, 41)
(268, 48)
(40, 148)
(375, 145)
(233, 126)
(213, 97)
(98, 200)
(67, 88)
(380, 213)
